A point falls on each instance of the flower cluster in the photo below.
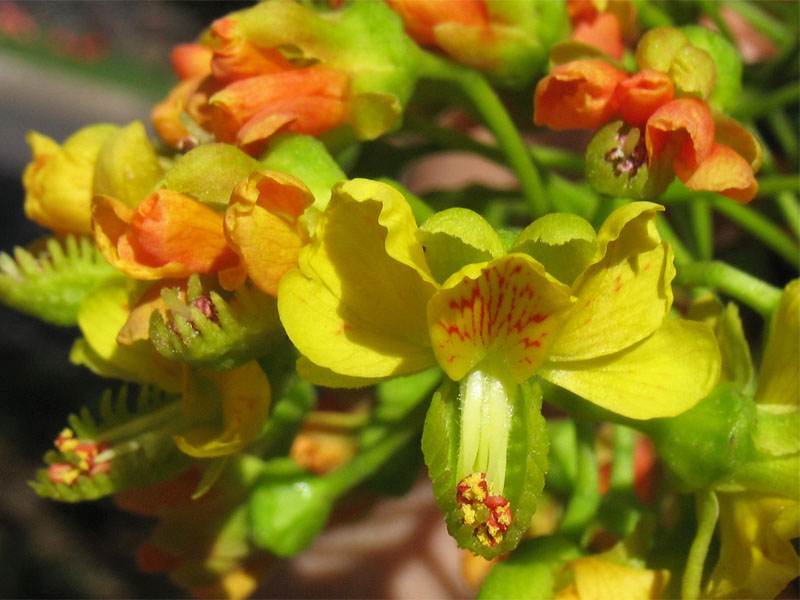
(293, 324)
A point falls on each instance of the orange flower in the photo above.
(683, 128)
(167, 235)
(723, 171)
(603, 24)
(641, 95)
(577, 95)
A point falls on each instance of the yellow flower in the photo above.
(598, 579)
(58, 183)
(363, 306)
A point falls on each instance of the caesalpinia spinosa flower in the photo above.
(281, 66)
(604, 24)
(656, 123)
(371, 301)
(507, 40)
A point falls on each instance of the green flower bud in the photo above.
(658, 47)
(693, 72)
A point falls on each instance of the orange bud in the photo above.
(191, 60)
(577, 95)
(603, 32)
(682, 128)
(238, 59)
(642, 94)
(422, 16)
(723, 171)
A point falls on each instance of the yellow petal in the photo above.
(779, 379)
(243, 394)
(625, 294)
(662, 376)
(509, 309)
(357, 303)
(262, 224)
(757, 558)
(597, 579)
(58, 183)
(102, 314)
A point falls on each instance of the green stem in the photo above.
(785, 133)
(682, 254)
(787, 203)
(650, 16)
(707, 514)
(753, 292)
(703, 227)
(498, 120)
(769, 186)
(585, 499)
(167, 419)
(753, 106)
(759, 226)
(622, 463)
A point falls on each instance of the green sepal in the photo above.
(140, 433)
(209, 173)
(244, 326)
(776, 431)
(306, 158)
(657, 48)
(531, 571)
(525, 470)
(564, 243)
(693, 72)
(616, 164)
(728, 88)
(708, 442)
(127, 166)
(50, 281)
(456, 237)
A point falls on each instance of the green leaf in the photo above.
(209, 173)
(127, 166)
(526, 463)
(141, 452)
(240, 329)
(530, 572)
(51, 282)
(457, 237)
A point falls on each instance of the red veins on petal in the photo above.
(507, 311)
(639, 96)
(683, 128)
(723, 171)
(577, 95)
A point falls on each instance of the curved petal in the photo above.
(191, 60)
(167, 233)
(262, 224)
(723, 171)
(642, 94)
(242, 394)
(166, 115)
(603, 32)
(662, 376)
(779, 380)
(683, 129)
(577, 95)
(598, 579)
(357, 303)
(237, 58)
(421, 18)
(625, 294)
(508, 309)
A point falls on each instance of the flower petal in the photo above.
(598, 579)
(723, 171)
(243, 394)
(662, 376)
(357, 303)
(262, 225)
(421, 17)
(683, 129)
(779, 380)
(191, 60)
(642, 94)
(168, 235)
(603, 32)
(577, 95)
(625, 294)
(509, 309)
